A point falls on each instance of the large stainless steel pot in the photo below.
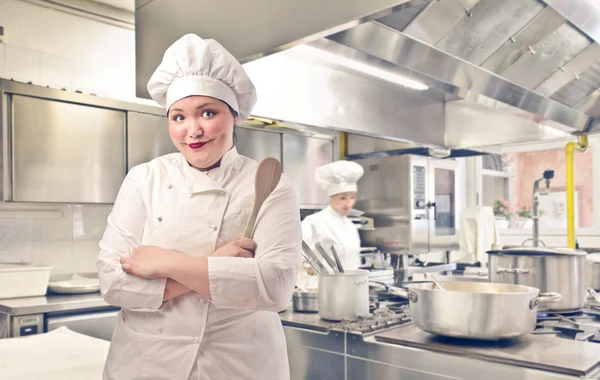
(592, 271)
(552, 270)
(475, 310)
(344, 295)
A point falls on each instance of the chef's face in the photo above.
(343, 202)
(201, 128)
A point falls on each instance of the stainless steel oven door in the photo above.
(442, 197)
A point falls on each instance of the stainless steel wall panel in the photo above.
(64, 152)
(301, 157)
(147, 138)
(257, 144)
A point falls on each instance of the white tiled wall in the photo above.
(62, 236)
(49, 47)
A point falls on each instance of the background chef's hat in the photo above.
(193, 66)
(339, 177)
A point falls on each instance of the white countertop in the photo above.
(58, 355)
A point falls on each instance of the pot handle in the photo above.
(544, 298)
(404, 293)
(594, 294)
(532, 240)
(513, 270)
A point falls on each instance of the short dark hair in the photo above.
(235, 114)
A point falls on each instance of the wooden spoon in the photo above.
(266, 179)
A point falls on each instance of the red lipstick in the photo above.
(198, 145)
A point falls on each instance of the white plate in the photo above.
(76, 285)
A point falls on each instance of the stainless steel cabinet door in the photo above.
(257, 144)
(147, 138)
(65, 152)
(301, 157)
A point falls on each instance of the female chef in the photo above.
(331, 225)
(197, 301)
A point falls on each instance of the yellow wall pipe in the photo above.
(580, 146)
(343, 145)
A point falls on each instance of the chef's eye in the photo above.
(178, 117)
(208, 114)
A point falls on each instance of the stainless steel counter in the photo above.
(321, 350)
(51, 303)
(310, 321)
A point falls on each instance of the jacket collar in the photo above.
(198, 181)
(334, 214)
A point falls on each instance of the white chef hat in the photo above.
(193, 66)
(339, 177)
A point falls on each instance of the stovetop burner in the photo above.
(582, 325)
(384, 317)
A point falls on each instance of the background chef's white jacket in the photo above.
(237, 334)
(331, 228)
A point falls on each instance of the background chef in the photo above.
(196, 302)
(331, 225)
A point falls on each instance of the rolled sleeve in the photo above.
(125, 226)
(265, 282)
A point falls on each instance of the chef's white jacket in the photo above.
(330, 228)
(237, 334)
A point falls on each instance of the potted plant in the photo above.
(503, 213)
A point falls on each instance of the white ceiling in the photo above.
(121, 4)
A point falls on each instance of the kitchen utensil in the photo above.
(435, 281)
(266, 179)
(327, 258)
(314, 260)
(344, 295)
(305, 300)
(552, 270)
(475, 310)
(592, 271)
(337, 260)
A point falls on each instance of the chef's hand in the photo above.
(239, 248)
(309, 269)
(148, 262)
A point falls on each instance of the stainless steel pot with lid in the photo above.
(551, 270)
(475, 310)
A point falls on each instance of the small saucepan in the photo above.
(305, 300)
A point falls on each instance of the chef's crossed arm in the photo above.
(264, 282)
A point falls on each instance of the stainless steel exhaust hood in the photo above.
(248, 29)
(498, 71)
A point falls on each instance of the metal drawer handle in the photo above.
(513, 270)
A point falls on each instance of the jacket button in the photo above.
(159, 218)
(169, 187)
(222, 193)
(214, 228)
